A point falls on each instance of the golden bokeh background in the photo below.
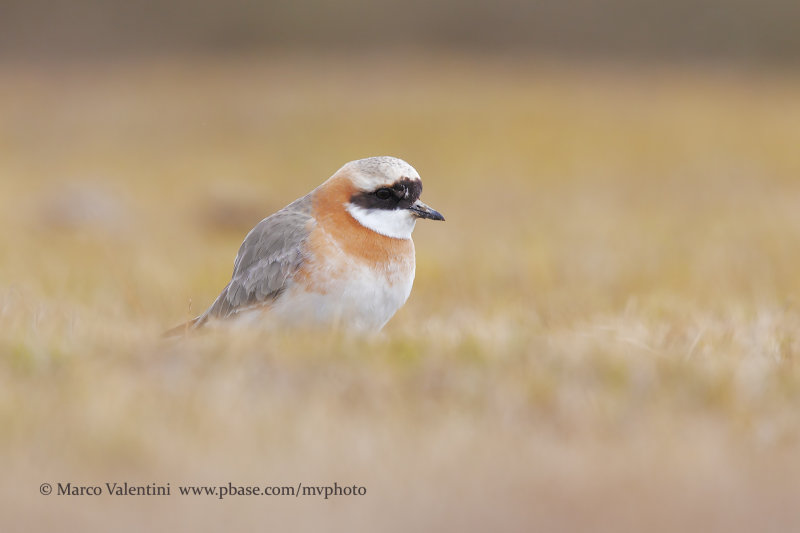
(602, 335)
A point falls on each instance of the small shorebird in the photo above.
(340, 256)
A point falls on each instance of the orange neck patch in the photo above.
(353, 238)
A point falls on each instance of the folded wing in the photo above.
(269, 256)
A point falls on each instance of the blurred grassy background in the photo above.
(602, 335)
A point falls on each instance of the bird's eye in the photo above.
(383, 194)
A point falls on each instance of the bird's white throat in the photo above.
(396, 223)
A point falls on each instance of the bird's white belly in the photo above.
(361, 300)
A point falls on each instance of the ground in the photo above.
(602, 335)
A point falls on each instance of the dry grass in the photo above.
(603, 335)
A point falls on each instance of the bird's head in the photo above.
(385, 196)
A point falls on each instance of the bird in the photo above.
(340, 257)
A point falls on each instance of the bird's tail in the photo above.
(182, 330)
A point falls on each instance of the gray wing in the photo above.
(269, 256)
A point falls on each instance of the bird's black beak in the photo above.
(421, 210)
